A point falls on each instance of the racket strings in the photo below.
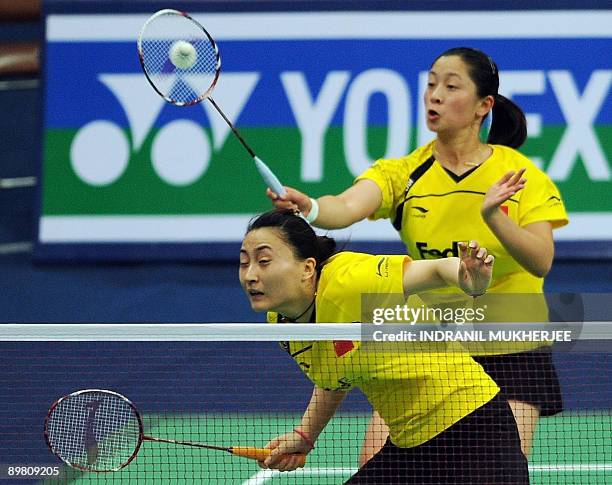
(178, 85)
(113, 425)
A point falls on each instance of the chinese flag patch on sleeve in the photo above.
(341, 347)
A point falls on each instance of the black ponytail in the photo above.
(327, 248)
(296, 232)
(509, 126)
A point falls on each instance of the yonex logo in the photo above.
(101, 151)
(181, 150)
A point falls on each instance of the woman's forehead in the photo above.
(263, 237)
(446, 64)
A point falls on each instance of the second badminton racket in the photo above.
(98, 430)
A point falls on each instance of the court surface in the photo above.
(569, 449)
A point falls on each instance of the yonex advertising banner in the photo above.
(319, 96)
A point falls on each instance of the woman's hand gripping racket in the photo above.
(101, 431)
(182, 62)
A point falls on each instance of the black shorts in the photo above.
(483, 448)
(528, 377)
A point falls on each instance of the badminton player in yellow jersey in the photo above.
(448, 424)
(456, 194)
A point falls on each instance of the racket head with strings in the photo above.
(189, 86)
(94, 430)
(178, 86)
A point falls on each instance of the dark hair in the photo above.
(509, 126)
(296, 232)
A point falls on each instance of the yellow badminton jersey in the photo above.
(440, 211)
(418, 394)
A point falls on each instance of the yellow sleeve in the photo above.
(388, 274)
(391, 177)
(359, 273)
(353, 284)
(541, 201)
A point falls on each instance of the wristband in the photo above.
(305, 437)
(314, 211)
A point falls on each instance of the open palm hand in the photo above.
(501, 191)
(475, 268)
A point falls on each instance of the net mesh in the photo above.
(178, 57)
(239, 390)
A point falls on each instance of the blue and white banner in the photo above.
(319, 96)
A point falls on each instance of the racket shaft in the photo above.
(232, 127)
(187, 443)
(259, 454)
(270, 179)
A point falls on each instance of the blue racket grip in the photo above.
(270, 179)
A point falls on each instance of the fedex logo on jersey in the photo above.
(319, 96)
(431, 253)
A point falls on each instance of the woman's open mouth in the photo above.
(432, 115)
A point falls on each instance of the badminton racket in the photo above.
(181, 61)
(98, 430)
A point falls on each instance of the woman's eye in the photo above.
(264, 261)
(451, 86)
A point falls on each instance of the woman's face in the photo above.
(270, 274)
(451, 103)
